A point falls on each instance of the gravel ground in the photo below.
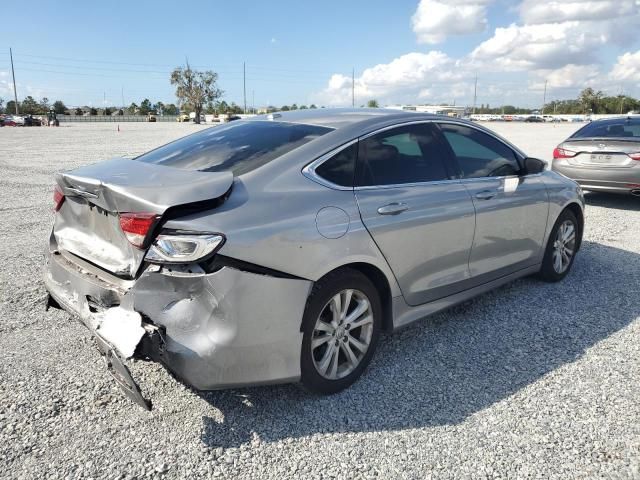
(530, 381)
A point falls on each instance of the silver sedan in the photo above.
(604, 156)
(277, 249)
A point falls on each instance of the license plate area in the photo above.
(601, 158)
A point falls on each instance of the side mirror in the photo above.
(534, 165)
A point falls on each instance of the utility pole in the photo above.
(122, 93)
(353, 87)
(253, 101)
(475, 94)
(13, 74)
(544, 97)
(244, 85)
(621, 101)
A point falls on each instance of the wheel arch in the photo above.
(575, 208)
(380, 281)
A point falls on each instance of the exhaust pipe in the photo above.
(636, 192)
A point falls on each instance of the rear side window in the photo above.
(617, 128)
(237, 147)
(478, 154)
(407, 154)
(340, 168)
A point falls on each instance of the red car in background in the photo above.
(9, 121)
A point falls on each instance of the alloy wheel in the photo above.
(564, 246)
(342, 334)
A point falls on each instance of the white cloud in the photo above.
(543, 46)
(557, 33)
(567, 43)
(556, 11)
(627, 68)
(434, 20)
(411, 73)
(569, 76)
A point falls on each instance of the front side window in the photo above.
(478, 154)
(407, 154)
(237, 147)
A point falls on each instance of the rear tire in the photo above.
(561, 248)
(341, 326)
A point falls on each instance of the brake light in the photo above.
(635, 156)
(563, 153)
(58, 198)
(136, 226)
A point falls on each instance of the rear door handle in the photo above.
(393, 208)
(486, 194)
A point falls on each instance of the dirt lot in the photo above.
(532, 380)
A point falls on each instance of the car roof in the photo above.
(623, 118)
(337, 118)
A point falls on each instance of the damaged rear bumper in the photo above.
(212, 330)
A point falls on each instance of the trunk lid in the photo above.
(88, 223)
(602, 152)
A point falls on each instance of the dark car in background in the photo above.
(604, 155)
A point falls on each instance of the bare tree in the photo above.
(195, 88)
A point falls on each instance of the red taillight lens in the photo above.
(563, 153)
(58, 198)
(635, 156)
(136, 226)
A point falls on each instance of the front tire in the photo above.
(341, 326)
(561, 249)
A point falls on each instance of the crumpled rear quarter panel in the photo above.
(226, 328)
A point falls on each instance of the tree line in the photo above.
(594, 101)
(198, 92)
(589, 101)
(30, 106)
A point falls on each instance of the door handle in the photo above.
(393, 208)
(486, 194)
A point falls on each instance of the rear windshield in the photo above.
(237, 147)
(614, 128)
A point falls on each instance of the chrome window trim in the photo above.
(412, 184)
(309, 170)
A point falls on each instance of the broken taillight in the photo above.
(58, 198)
(184, 247)
(136, 226)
